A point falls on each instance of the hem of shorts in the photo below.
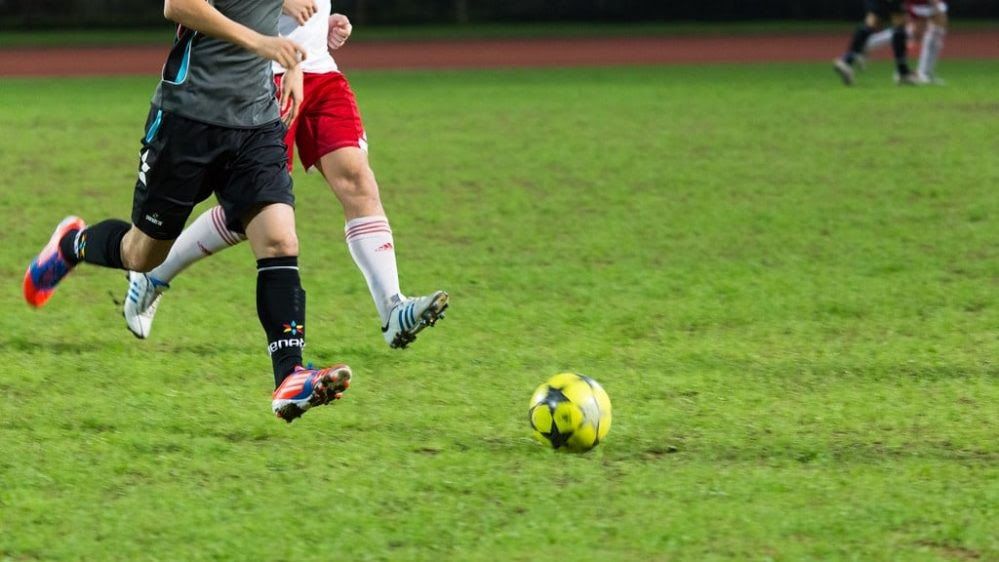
(217, 123)
(239, 229)
(329, 150)
(335, 71)
(155, 235)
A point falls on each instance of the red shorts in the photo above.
(328, 119)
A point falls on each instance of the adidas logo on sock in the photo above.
(384, 247)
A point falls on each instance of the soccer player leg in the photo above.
(872, 22)
(371, 244)
(280, 297)
(367, 230)
(331, 136)
(858, 43)
(113, 243)
(878, 40)
(933, 43)
(900, 45)
(257, 199)
(205, 236)
(281, 310)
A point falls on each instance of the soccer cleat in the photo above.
(929, 80)
(49, 266)
(908, 79)
(411, 316)
(308, 387)
(141, 301)
(844, 70)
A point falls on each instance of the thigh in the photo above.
(254, 175)
(173, 171)
(330, 119)
(271, 232)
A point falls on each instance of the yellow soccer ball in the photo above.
(570, 412)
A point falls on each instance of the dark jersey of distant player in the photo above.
(884, 8)
(219, 83)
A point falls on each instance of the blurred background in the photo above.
(77, 13)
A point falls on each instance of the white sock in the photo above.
(371, 245)
(879, 39)
(933, 41)
(203, 237)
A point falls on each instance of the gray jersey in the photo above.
(219, 83)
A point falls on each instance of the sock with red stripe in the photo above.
(281, 309)
(933, 40)
(205, 236)
(370, 242)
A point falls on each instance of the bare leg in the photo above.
(271, 232)
(367, 232)
(933, 42)
(353, 182)
(140, 252)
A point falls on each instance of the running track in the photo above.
(502, 53)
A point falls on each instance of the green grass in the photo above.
(788, 288)
(163, 34)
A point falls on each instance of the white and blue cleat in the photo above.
(411, 316)
(141, 301)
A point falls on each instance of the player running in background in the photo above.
(215, 126)
(330, 137)
(927, 20)
(878, 12)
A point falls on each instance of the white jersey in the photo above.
(312, 38)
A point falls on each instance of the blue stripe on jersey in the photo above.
(185, 59)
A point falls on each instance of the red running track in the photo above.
(498, 53)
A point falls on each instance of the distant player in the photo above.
(878, 12)
(330, 137)
(215, 127)
(927, 20)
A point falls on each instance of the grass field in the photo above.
(788, 288)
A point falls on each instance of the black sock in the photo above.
(67, 247)
(99, 244)
(858, 43)
(281, 308)
(899, 46)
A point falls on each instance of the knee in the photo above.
(279, 245)
(354, 179)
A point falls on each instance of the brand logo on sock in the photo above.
(384, 247)
(281, 344)
(204, 250)
(81, 244)
(294, 328)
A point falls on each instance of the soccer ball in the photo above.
(570, 412)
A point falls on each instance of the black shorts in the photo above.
(884, 8)
(183, 161)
